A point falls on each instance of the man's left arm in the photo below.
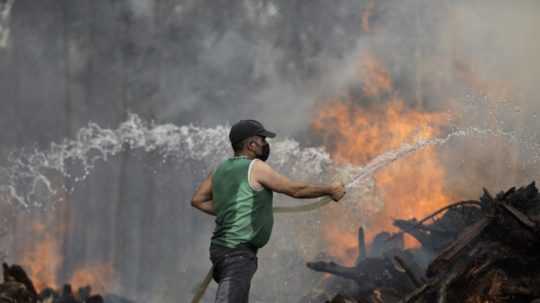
(202, 199)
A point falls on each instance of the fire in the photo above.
(355, 134)
(98, 276)
(43, 262)
(342, 245)
(43, 259)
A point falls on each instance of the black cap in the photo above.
(244, 129)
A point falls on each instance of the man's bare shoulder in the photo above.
(260, 166)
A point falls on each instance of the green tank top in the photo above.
(243, 215)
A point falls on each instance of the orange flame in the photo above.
(342, 245)
(409, 188)
(98, 276)
(43, 260)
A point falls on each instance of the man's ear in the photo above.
(249, 143)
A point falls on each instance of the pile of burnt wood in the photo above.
(18, 288)
(472, 251)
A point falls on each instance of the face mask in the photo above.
(265, 152)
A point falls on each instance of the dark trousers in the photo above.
(233, 270)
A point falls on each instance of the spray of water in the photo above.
(381, 161)
(36, 178)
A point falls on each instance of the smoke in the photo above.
(475, 60)
(142, 8)
(5, 12)
(495, 63)
(251, 59)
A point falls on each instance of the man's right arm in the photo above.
(264, 175)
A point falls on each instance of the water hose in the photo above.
(203, 285)
(302, 208)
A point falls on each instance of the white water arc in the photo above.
(28, 180)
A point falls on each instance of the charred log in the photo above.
(486, 251)
(441, 231)
(370, 274)
(495, 259)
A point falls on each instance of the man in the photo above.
(239, 193)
